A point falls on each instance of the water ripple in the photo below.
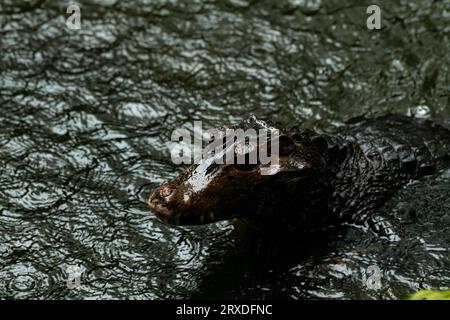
(87, 116)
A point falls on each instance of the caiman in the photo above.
(322, 178)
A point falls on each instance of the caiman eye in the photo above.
(248, 164)
(287, 145)
(245, 167)
(245, 156)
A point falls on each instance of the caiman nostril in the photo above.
(165, 192)
(154, 200)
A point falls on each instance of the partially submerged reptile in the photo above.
(322, 178)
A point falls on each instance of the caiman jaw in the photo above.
(175, 206)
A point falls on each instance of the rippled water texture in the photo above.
(86, 117)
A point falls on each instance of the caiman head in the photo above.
(209, 191)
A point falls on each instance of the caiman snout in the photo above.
(159, 202)
(178, 204)
(174, 205)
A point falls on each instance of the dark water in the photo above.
(86, 118)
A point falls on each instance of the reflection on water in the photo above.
(87, 116)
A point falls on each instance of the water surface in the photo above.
(86, 118)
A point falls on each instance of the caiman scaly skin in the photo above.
(322, 179)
